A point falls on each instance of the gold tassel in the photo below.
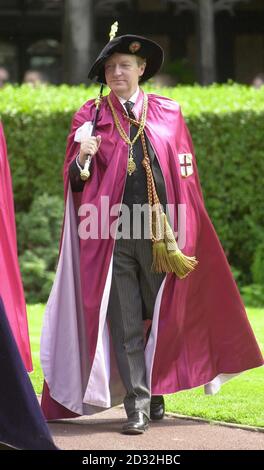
(181, 264)
(167, 257)
(161, 262)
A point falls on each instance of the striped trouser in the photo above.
(132, 297)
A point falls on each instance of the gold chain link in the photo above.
(118, 124)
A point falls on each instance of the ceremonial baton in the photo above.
(85, 173)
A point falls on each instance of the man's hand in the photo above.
(89, 146)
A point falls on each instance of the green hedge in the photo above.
(226, 122)
(38, 241)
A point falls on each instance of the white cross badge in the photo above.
(186, 164)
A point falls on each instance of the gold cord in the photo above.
(167, 257)
(141, 124)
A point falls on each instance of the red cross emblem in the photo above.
(186, 164)
(134, 47)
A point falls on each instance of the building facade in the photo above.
(61, 37)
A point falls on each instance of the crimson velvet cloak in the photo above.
(11, 289)
(200, 333)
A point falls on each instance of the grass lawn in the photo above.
(241, 400)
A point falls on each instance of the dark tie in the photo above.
(133, 129)
(129, 105)
(136, 184)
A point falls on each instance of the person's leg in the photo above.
(150, 283)
(126, 326)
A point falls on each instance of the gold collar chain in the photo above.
(118, 124)
(131, 163)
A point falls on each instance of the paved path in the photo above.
(102, 432)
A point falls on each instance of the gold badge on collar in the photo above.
(134, 46)
(186, 164)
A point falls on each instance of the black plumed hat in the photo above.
(129, 44)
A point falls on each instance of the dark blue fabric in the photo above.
(22, 424)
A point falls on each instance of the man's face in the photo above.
(122, 73)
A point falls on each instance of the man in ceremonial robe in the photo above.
(11, 289)
(22, 425)
(137, 316)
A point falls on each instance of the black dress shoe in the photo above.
(137, 423)
(157, 407)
